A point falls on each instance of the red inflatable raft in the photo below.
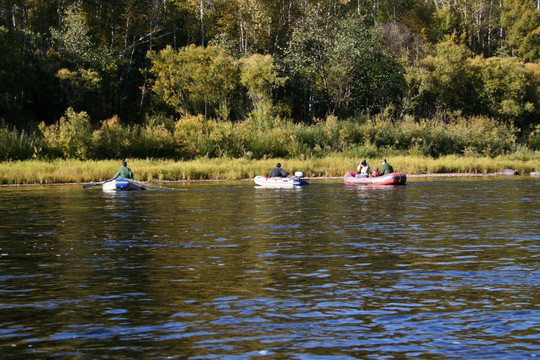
(388, 179)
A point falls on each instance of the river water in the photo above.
(436, 269)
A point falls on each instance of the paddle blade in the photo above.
(140, 185)
(86, 186)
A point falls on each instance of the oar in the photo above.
(140, 184)
(86, 186)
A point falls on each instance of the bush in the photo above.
(152, 140)
(70, 138)
(190, 136)
(534, 138)
(270, 141)
(193, 137)
(111, 140)
(15, 145)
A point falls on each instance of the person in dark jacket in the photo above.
(278, 171)
(386, 168)
(124, 172)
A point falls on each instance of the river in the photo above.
(437, 269)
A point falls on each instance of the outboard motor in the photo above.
(299, 175)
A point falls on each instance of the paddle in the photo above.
(139, 184)
(86, 186)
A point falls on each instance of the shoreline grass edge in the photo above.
(40, 172)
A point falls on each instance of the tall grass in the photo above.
(333, 165)
(17, 145)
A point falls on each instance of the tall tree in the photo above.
(260, 76)
(521, 20)
(343, 66)
(451, 79)
(195, 79)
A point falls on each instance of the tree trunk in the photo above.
(112, 25)
(501, 30)
(202, 22)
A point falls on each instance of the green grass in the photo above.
(336, 165)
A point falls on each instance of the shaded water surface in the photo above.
(434, 269)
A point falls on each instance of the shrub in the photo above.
(534, 138)
(110, 140)
(152, 140)
(190, 136)
(70, 138)
(15, 145)
(267, 142)
(225, 140)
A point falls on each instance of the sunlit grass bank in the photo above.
(76, 171)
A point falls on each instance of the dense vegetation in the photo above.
(333, 165)
(183, 79)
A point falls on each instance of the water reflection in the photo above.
(434, 269)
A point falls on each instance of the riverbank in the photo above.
(155, 170)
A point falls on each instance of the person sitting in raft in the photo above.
(278, 171)
(375, 172)
(363, 169)
(124, 172)
(386, 168)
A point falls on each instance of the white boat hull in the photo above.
(122, 185)
(274, 182)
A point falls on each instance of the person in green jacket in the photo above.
(386, 168)
(124, 172)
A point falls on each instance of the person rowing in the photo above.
(278, 171)
(124, 172)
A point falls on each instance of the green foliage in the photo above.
(16, 145)
(70, 138)
(534, 139)
(193, 137)
(195, 78)
(375, 75)
(344, 65)
(111, 140)
(509, 88)
(152, 140)
(77, 83)
(307, 57)
(259, 76)
(74, 39)
(443, 24)
(451, 79)
(477, 135)
(270, 140)
(342, 58)
(337, 61)
(521, 20)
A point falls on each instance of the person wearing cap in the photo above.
(278, 171)
(363, 168)
(375, 172)
(386, 168)
(124, 172)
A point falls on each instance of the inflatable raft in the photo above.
(122, 185)
(281, 182)
(396, 178)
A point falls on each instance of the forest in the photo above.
(181, 79)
